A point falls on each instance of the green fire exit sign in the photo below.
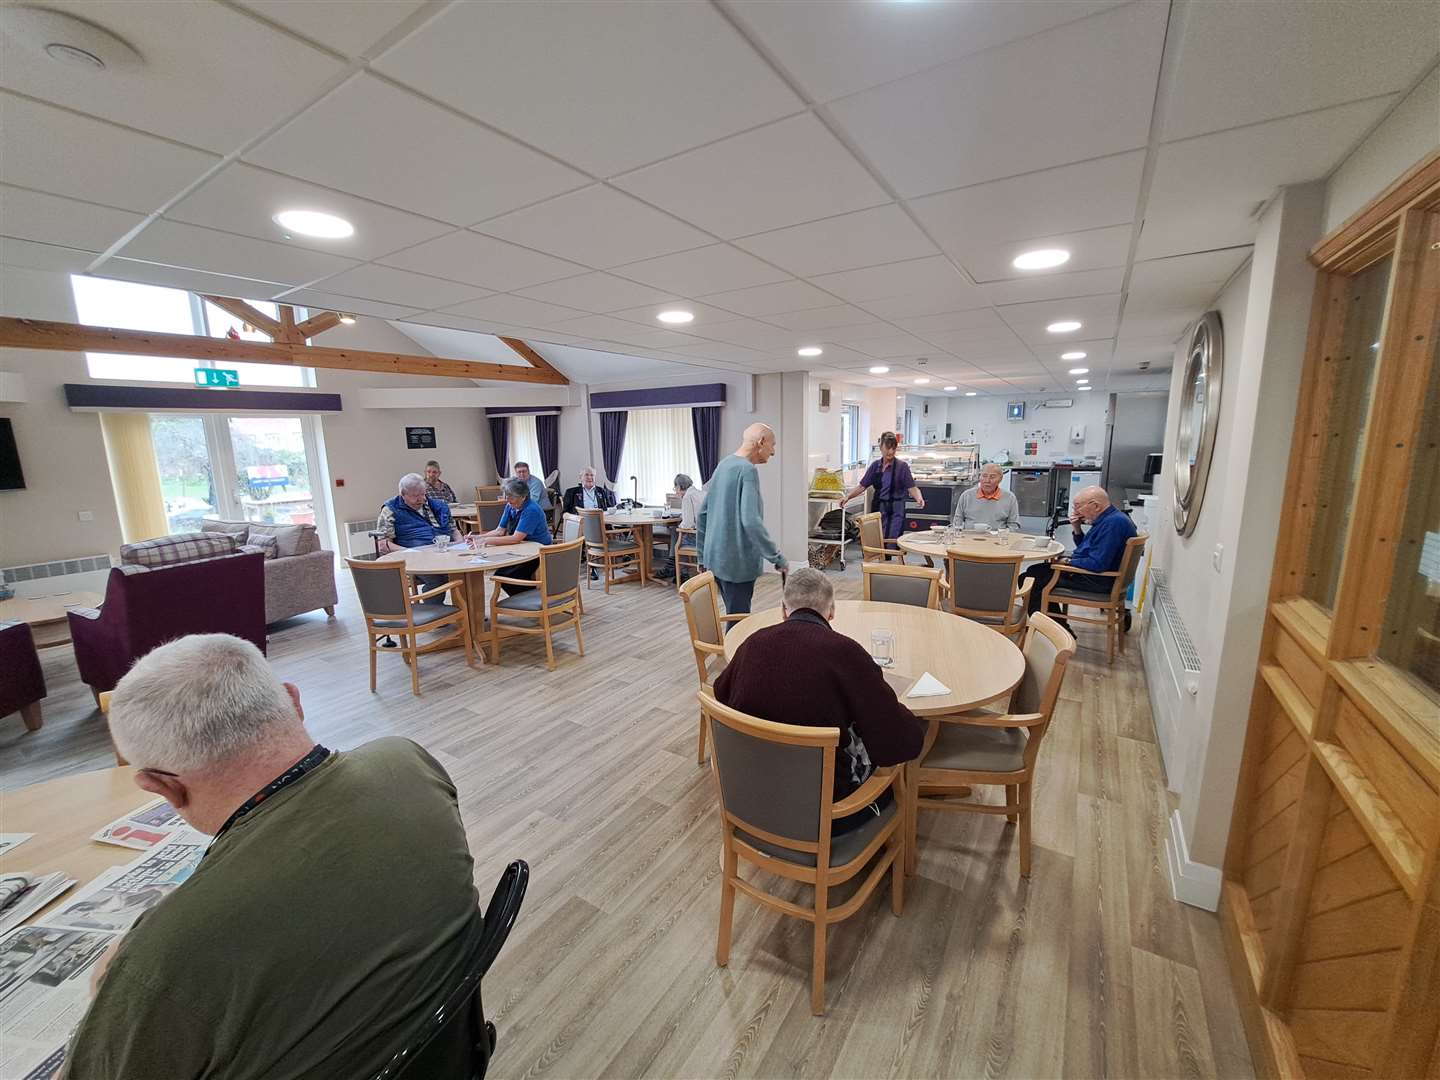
(205, 376)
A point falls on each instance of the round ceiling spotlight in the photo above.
(809, 350)
(1064, 326)
(347, 318)
(676, 317)
(969, 393)
(921, 381)
(1079, 371)
(1084, 388)
(950, 388)
(1041, 259)
(1076, 355)
(315, 223)
(1082, 382)
(879, 369)
(66, 39)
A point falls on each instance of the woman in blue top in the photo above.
(890, 478)
(522, 521)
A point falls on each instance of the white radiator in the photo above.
(358, 543)
(85, 574)
(1172, 674)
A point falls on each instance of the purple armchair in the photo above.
(22, 683)
(147, 607)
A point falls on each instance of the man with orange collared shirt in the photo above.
(986, 503)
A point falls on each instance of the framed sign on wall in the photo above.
(1015, 410)
(420, 438)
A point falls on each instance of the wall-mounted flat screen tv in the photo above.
(11, 476)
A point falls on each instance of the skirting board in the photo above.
(1192, 883)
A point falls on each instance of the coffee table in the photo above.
(46, 614)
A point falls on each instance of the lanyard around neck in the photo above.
(317, 756)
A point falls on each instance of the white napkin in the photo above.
(928, 686)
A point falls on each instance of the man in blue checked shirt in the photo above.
(1100, 550)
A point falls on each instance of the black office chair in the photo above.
(425, 1058)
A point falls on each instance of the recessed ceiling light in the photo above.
(879, 369)
(921, 381)
(347, 318)
(969, 393)
(1076, 355)
(1064, 326)
(1085, 388)
(676, 317)
(809, 350)
(1041, 259)
(315, 223)
(1082, 382)
(1079, 371)
(952, 388)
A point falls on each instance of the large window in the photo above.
(525, 445)
(130, 305)
(658, 444)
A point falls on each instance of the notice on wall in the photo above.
(420, 438)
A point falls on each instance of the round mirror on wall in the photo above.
(1199, 415)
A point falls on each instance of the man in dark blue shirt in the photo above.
(1100, 550)
(523, 521)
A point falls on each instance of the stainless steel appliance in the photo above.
(1033, 491)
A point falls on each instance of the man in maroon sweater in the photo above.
(800, 671)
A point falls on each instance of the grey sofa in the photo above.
(299, 573)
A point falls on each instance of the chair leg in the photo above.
(579, 635)
(414, 657)
(329, 610)
(609, 573)
(549, 637)
(897, 872)
(1025, 829)
(727, 907)
(373, 651)
(700, 750)
(468, 639)
(817, 961)
(31, 715)
(1110, 636)
(912, 825)
(1012, 796)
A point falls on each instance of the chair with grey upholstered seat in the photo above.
(701, 598)
(979, 748)
(776, 786)
(553, 604)
(1111, 603)
(391, 609)
(488, 514)
(897, 583)
(987, 589)
(607, 550)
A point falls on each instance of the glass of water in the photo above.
(882, 647)
(442, 541)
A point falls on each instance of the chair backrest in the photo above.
(570, 527)
(896, 583)
(487, 492)
(487, 514)
(1048, 648)
(685, 538)
(776, 779)
(560, 567)
(593, 524)
(982, 586)
(701, 599)
(380, 587)
(872, 535)
(1129, 563)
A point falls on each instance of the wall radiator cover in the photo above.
(358, 544)
(1172, 676)
(87, 573)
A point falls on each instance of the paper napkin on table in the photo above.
(928, 686)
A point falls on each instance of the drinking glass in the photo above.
(442, 541)
(882, 647)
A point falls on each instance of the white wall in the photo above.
(995, 433)
(824, 427)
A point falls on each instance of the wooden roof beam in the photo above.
(534, 359)
(245, 312)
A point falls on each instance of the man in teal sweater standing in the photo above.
(732, 539)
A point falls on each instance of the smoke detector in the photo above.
(66, 39)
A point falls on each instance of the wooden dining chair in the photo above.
(102, 699)
(487, 492)
(978, 747)
(487, 515)
(701, 598)
(896, 583)
(1111, 604)
(606, 551)
(554, 603)
(391, 609)
(873, 545)
(987, 589)
(776, 786)
(687, 555)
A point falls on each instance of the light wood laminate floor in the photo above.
(1089, 969)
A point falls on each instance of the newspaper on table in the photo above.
(143, 828)
(21, 895)
(45, 970)
(10, 840)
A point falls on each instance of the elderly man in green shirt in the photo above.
(732, 539)
(334, 912)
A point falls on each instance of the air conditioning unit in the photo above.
(358, 543)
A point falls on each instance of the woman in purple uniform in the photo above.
(891, 479)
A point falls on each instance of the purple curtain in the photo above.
(705, 421)
(500, 443)
(547, 431)
(612, 442)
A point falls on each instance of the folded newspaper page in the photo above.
(21, 895)
(143, 828)
(10, 840)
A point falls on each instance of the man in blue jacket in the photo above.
(413, 519)
(1100, 550)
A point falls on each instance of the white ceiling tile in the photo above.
(1094, 249)
(604, 84)
(375, 282)
(33, 256)
(1055, 286)
(841, 315)
(723, 352)
(196, 248)
(383, 143)
(197, 281)
(1205, 191)
(347, 26)
(747, 332)
(597, 226)
(597, 293)
(717, 268)
(975, 345)
(781, 174)
(895, 346)
(868, 331)
(957, 124)
(1242, 62)
(213, 78)
(609, 328)
(1096, 352)
(935, 275)
(973, 320)
(56, 151)
(1096, 313)
(49, 219)
(764, 300)
(244, 199)
(1184, 280)
(865, 238)
(515, 309)
(323, 301)
(917, 304)
(1167, 324)
(835, 50)
(482, 260)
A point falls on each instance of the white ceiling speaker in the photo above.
(71, 41)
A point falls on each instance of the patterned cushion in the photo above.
(237, 529)
(267, 544)
(179, 548)
(292, 539)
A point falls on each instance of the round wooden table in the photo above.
(643, 523)
(976, 663)
(932, 546)
(63, 814)
(459, 561)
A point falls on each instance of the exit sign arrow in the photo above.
(216, 377)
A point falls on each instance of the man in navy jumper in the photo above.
(1099, 550)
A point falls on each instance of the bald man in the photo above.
(731, 535)
(1099, 550)
(986, 503)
